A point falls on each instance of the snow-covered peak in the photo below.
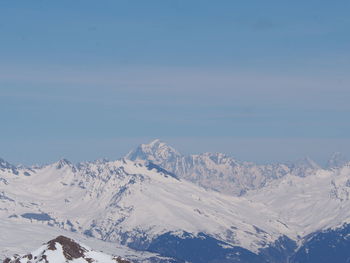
(336, 160)
(62, 163)
(125, 201)
(63, 249)
(318, 201)
(156, 151)
(155, 143)
(306, 162)
(139, 202)
(304, 166)
(5, 165)
(216, 171)
(216, 158)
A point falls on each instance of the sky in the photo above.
(264, 81)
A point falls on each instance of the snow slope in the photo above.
(128, 202)
(140, 204)
(308, 204)
(22, 237)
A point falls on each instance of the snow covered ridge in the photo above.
(133, 203)
(144, 206)
(220, 172)
(63, 250)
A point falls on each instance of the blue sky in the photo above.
(261, 80)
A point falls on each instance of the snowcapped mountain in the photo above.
(304, 167)
(63, 249)
(22, 236)
(311, 203)
(134, 203)
(6, 167)
(337, 160)
(156, 151)
(218, 171)
(284, 215)
(317, 208)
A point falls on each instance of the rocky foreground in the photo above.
(63, 249)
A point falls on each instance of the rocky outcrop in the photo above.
(63, 249)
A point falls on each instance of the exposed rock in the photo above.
(63, 249)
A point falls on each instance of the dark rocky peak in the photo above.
(71, 250)
(151, 166)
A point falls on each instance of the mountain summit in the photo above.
(63, 249)
(156, 151)
(218, 171)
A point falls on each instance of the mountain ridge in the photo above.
(144, 206)
(218, 171)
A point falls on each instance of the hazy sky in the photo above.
(260, 80)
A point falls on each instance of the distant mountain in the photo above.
(63, 249)
(283, 213)
(303, 167)
(337, 160)
(311, 203)
(156, 151)
(218, 171)
(6, 167)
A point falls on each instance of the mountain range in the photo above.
(222, 173)
(157, 205)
